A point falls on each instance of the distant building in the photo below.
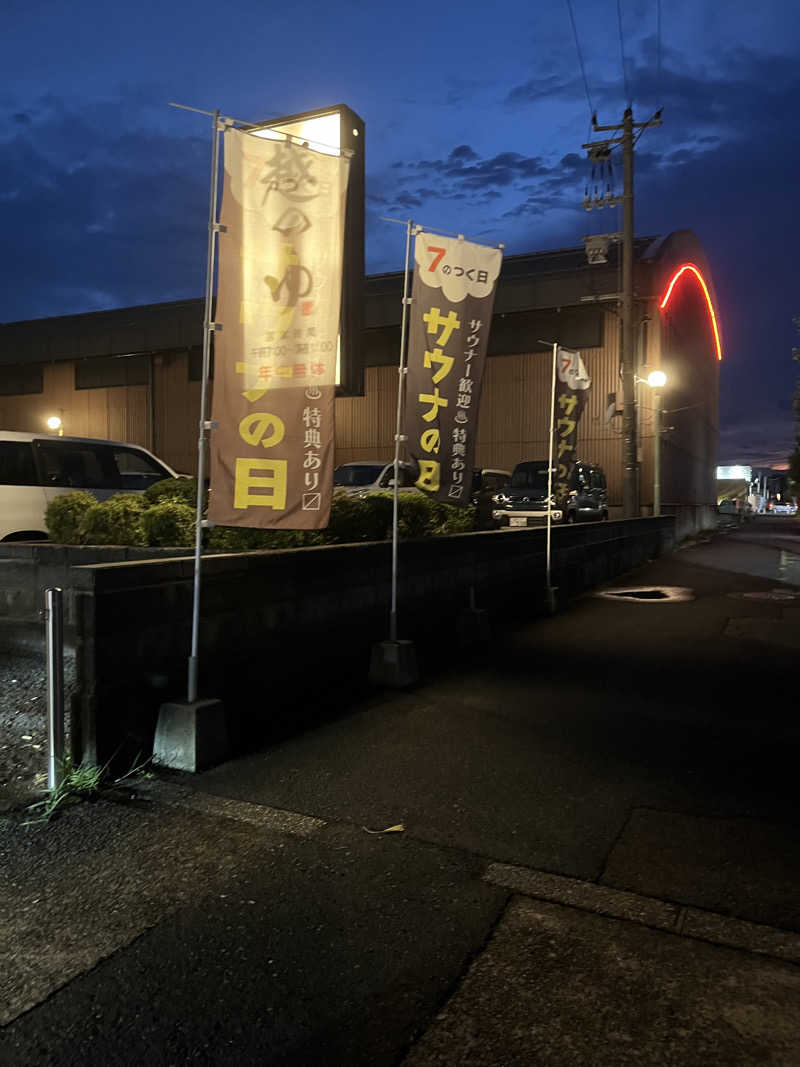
(134, 374)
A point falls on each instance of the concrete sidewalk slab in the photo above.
(557, 987)
(746, 551)
(76, 891)
(739, 866)
(335, 949)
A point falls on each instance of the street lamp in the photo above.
(657, 379)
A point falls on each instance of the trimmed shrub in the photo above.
(64, 517)
(117, 521)
(183, 489)
(169, 524)
(449, 519)
(353, 519)
(247, 539)
(345, 523)
(377, 517)
(416, 515)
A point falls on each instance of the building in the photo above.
(134, 374)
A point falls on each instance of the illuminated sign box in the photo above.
(731, 474)
(335, 130)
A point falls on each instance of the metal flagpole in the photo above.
(401, 374)
(550, 598)
(205, 426)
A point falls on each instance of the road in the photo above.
(595, 860)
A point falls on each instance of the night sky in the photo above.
(474, 115)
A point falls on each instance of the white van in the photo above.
(372, 476)
(36, 468)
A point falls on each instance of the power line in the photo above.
(656, 120)
(622, 53)
(580, 58)
(658, 80)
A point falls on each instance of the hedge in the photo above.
(164, 516)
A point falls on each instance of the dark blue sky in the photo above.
(474, 118)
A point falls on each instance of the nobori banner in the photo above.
(451, 312)
(572, 386)
(278, 303)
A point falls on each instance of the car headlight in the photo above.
(500, 498)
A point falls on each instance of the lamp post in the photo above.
(657, 379)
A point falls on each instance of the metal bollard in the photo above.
(54, 624)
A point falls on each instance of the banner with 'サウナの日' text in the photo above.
(451, 313)
(572, 383)
(275, 348)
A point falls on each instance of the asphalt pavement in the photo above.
(578, 845)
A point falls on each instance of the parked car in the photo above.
(486, 483)
(371, 476)
(728, 507)
(524, 500)
(37, 468)
(784, 509)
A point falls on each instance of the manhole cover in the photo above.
(647, 594)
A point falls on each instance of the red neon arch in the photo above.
(678, 273)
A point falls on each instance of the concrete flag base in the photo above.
(191, 736)
(394, 663)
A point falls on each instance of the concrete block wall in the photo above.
(285, 635)
(28, 568)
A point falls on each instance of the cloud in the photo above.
(544, 87)
(464, 175)
(97, 200)
(765, 442)
(405, 200)
(463, 154)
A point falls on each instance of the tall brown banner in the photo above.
(280, 271)
(451, 313)
(572, 386)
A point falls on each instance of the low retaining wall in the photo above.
(285, 634)
(691, 519)
(28, 568)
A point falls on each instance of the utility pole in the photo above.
(630, 485)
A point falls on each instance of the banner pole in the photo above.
(550, 598)
(208, 327)
(401, 373)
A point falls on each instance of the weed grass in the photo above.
(78, 783)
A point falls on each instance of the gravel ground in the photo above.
(23, 724)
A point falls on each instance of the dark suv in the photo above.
(524, 500)
(486, 483)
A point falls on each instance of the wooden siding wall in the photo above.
(515, 412)
(119, 413)
(514, 416)
(177, 411)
